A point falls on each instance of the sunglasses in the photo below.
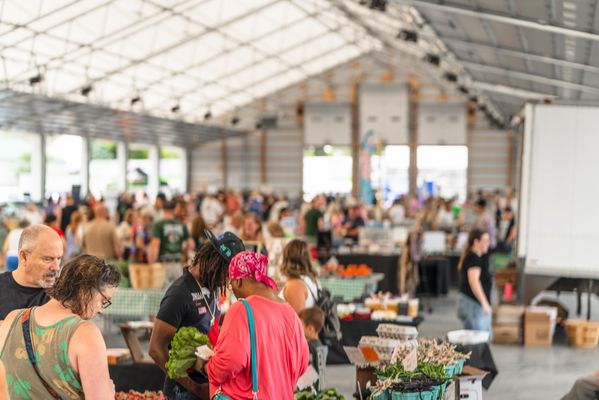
(106, 302)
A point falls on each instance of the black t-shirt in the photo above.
(14, 296)
(65, 219)
(355, 223)
(183, 305)
(472, 260)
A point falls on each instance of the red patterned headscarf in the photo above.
(248, 264)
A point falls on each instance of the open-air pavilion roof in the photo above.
(183, 59)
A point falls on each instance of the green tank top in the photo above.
(51, 346)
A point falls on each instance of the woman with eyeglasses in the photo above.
(54, 351)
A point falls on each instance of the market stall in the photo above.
(351, 288)
(388, 265)
(363, 319)
(401, 366)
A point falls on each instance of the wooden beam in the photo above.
(262, 134)
(512, 153)
(414, 87)
(355, 139)
(224, 161)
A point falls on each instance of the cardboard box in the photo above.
(470, 383)
(538, 329)
(506, 334)
(508, 315)
(450, 391)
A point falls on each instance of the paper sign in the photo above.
(308, 378)
(410, 362)
(355, 355)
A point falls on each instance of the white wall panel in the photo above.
(442, 123)
(384, 109)
(243, 162)
(284, 160)
(327, 123)
(559, 191)
(488, 159)
(206, 167)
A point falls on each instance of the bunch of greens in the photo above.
(329, 394)
(429, 350)
(424, 369)
(182, 356)
(397, 371)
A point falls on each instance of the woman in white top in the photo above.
(301, 289)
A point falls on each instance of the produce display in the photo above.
(134, 395)
(417, 366)
(351, 271)
(181, 356)
(429, 350)
(424, 370)
(330, 394)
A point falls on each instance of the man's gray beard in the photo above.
(45, 285)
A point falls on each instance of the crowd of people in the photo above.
(226, 241)
(133, 228)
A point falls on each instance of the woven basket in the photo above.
(583, 333)
(147, 276)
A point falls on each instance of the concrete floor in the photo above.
(524, 373)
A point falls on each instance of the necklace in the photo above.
(212, 312)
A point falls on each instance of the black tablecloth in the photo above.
(386, 264)
(353, 331)
(137, 376)
(434, 276)
(481, 358)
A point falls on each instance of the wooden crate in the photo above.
(583, 333)
(147, 276)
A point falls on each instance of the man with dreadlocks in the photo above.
(192, 301)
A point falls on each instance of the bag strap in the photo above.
(25, 323)
(253, 358)
(317, 297)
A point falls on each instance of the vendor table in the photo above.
(435, 275)
(351, 288)
(481, 358)
(385, 264)
(136, 376)
(352, 331)
(135, 302)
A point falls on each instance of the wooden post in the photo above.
(355, 139)
(414, 98)
(223, 161)
(511, 159)
(262, 134)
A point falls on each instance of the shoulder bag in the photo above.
(254, 362)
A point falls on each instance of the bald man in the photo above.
(40, 252)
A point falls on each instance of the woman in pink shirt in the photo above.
(282, 350)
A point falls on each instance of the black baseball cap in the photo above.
(227, 244)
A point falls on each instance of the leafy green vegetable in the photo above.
(436, 371)
(182, 356)
(329, 394)
(396, 371)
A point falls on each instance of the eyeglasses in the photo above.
(106, 302)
